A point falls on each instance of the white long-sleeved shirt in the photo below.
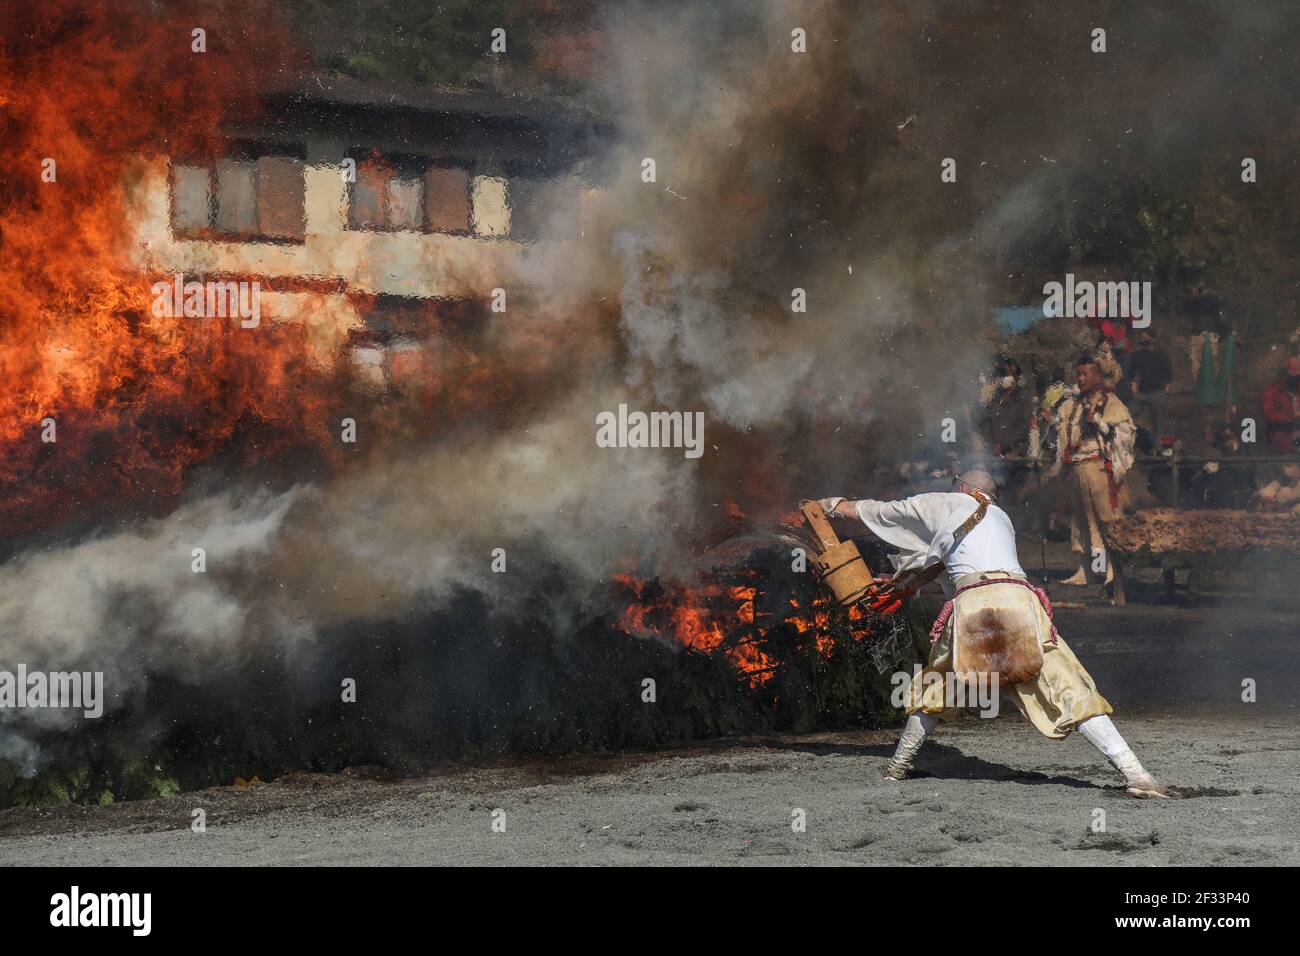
(923, 528)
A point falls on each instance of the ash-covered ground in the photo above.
(987, 792)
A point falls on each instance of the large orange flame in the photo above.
(86, 90)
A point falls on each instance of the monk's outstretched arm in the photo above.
(839, 508)
(859, 510)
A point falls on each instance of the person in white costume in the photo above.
(995, 620)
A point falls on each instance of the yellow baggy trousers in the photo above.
(1062, 696)
(1088, 489)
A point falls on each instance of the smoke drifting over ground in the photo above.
(774, 171)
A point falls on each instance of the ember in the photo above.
(745, 623)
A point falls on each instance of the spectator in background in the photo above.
(1007, 414)
(1094, 451)
(1005, 428)
(1281, 407)
(1112, 372)
(1116, 332)
(1150, 375)
(1054, 393)
(1281, 494)
(1217, 486)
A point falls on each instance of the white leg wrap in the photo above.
(1102, 734)
(918, 727)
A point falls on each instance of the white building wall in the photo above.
(418, 264)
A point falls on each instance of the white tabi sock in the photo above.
(1101, 732)
(918, 727)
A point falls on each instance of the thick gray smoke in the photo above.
(280, 566)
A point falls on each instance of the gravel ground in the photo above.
(987, 792)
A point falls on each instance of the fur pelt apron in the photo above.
(997, 629)
(1055, 700)
(998, 623)
(995, 619)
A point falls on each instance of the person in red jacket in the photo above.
(1281, 401)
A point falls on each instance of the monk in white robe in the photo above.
(1094, 452)
(996, 618)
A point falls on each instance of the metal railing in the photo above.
(1177, 464)
(1174, 461)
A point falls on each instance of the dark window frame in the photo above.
(249, 151)
(409, 166)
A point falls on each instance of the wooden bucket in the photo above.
(839, 564)
(842, 569)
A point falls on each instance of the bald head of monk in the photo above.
(976, 479)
